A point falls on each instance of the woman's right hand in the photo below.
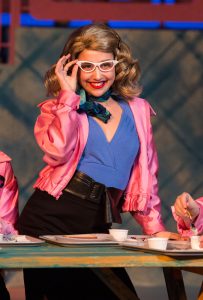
(67, 82)
(186, 208)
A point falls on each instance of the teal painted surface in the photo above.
(52, 256)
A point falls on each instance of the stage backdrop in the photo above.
(171, 63)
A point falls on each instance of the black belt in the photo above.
(84, 187)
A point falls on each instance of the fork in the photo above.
(192, 226)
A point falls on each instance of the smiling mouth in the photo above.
(97, 85)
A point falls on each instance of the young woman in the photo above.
(8, 207)
(100, 156)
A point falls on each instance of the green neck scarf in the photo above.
(89, 105)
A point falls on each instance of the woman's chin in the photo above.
(97, 93)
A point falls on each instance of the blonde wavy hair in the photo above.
(102, 38)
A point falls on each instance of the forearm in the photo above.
(198, 223)
(57, 126)
(9, 197)
(152, 222)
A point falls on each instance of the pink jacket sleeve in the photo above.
(182, 227)
(56, 127)
(8, 198)
(150, 219)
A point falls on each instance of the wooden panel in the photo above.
(174, 284)
(15, 22)
(7, 35)
(101, 11)
(194, 270)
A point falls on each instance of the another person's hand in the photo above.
(201, 242)
(6, 227)
(186, 208)
(169, 235)
(67, 81)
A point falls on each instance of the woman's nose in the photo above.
(97, 72)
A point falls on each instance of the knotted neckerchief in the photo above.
(92, 108)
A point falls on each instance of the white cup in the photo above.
(1, 237)
(119, 235)
(194, 240)
(157, 243)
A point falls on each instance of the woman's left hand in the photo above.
(67, 82)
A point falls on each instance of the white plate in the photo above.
(138, 237)
(80, 239)
(175, 248)
(22, 240)
(178, 245)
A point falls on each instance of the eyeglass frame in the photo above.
(79, 62)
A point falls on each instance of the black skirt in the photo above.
(44, 215)
(80, 209)
(85, 206)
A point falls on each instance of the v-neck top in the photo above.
(110, 162)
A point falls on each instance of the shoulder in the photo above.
(142, 104)
(4, 157)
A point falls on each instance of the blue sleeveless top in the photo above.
(110, 163)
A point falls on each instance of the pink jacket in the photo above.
(62, 135)
(8, 196)
(181, 226)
